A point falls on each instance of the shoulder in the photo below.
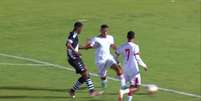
(94, 38)
(72, 35)
(134, 45)
(110, 36)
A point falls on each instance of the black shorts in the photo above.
(77, 64)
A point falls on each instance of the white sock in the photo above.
(123, 81)
(126, 91)
(104, 81)
(130, 98)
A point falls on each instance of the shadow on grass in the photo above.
(140, 93)
(25, 88)
(34, 97)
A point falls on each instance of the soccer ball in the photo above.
(151, 88)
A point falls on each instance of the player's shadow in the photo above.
(22, 88)
(25, 88)
(34, 97)
(138, 93)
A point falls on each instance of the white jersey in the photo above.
(102, 45)
(129, 51)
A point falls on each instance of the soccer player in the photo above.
(103, 42)
(74, 59)
(131, 54)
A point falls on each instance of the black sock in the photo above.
(79, 82)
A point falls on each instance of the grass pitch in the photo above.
(168, 33)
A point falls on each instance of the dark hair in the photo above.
(77, 25)
(131, 35)
(104, 26)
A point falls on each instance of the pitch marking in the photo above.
(22, 64)
(93, 74)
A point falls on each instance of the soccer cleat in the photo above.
(71, 93)
(104, 84)
(95, 93)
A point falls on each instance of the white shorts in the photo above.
(102, 66)
(134, 80)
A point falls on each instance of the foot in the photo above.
(104, 85)
(71, 93)
(95, 93)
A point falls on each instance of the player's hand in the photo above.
(146, 69)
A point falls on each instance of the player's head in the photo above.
(78, 27)
(104, 29)
(130, 35)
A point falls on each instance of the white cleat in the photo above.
(71, 93)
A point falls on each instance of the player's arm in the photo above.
(86, 46)
(69, 46)
(89, 44)
(114, 46)
(139, 60)
(117, 54)
(69, 43)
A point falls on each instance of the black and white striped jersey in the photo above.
(74, 41)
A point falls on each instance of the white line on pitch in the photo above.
(23, 64)
(93, 74)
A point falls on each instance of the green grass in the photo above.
(168, 34)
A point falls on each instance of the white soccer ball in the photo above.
(151, 88)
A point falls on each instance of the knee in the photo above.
(85, 75)
(118, 69)
(135, 88)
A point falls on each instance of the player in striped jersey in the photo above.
(74, 59)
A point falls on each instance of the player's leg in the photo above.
(90, 84)
(79, 82)
(125, 90)
(119, 72)
(81, 69)
(85, 74)
(102, 73)
(118, 69)
(76, 86)
(135, 86)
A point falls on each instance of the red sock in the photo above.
(130, 93)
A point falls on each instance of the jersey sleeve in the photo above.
(136, 50)
(138, 58)
(111, 39)
(70, 38)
